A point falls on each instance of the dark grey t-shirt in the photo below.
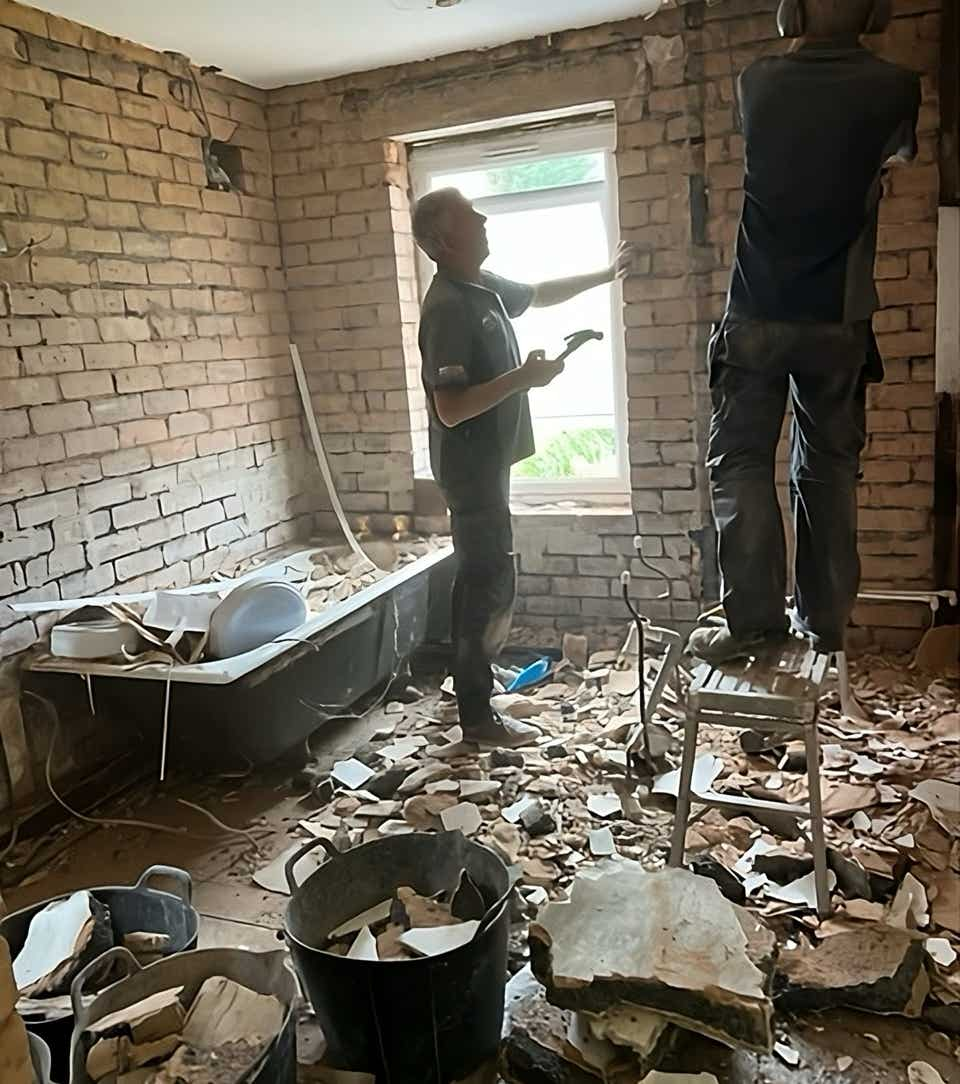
(818, 124)
(466, 338)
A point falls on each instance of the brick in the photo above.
(108, 356)
(123, 329)
(104, 550)
(37, 144)
(193, 421)
(26, 79)
(123, 186)
(103, 156)
(51, 359)
(184, 497)
(27, 391)
(60, 58)
(144, 431)
(34, 511)
(91, 441)
(87, 240)
(89, 96)
(75, 473)
(134, 133)
(198, 519)
(15, 484)
(32, 451)
(116, 408)
(179, 195)
(180, 143)
(135, 512)
(85, 385)
(81, 122)
(64, 206)
(59, 418)
(165, 403)
(104, 495)
(23, 172)
(140, 379)
(122, 271)
(184, 548)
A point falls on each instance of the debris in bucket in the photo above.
(146, 948)
(215, 1040)
(411, 925)
(61, 940)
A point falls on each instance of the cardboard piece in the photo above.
(224, 1012)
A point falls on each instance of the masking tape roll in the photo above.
(100, 639)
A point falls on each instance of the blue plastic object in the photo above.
(530, 675)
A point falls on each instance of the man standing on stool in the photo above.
(476, 389)
(819, 126)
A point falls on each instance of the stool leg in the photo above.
(812, 741)
(849, 705)
(691, 729)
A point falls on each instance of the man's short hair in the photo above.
(430, 218)
(825, 18)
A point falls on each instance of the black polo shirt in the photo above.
(466, 338)
(818, 125)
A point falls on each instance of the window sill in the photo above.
(606, 504)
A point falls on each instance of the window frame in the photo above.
(512, 147)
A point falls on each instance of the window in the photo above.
(550, 199)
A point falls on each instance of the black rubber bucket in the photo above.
(431, 1021)
(264, 972)
(133, 909)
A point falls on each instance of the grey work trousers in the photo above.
(824, 368)
(484, 591)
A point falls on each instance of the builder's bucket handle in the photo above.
(311, 845)
(101, 965)
(182, 879)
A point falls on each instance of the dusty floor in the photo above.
(237, 913)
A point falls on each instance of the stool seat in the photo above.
(778, 690)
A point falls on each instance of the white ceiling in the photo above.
(271, 43)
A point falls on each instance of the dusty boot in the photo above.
(717, 644)
(502, 733)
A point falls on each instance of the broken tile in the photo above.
(601, 843)
(940, 951)
(943, 801)
(378, 913)
(514, 812)
(787, 1054)
(479, 788)
(429, 773)
(537, 821)
(800, 893)
(364, 946)
(922, 1072)
(352, 773)
(666, 941)
(434, 940)
(706, 771)
(272, 876)
(909, 909)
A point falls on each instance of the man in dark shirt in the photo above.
(819, 124)
(476, 388)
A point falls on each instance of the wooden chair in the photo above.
(776, 692)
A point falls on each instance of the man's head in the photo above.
(833, 18)
(450, 231)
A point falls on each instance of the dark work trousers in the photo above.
(754, 366)
(484, 591)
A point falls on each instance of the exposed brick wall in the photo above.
(679, 158)
(148, 418)
(149, 425)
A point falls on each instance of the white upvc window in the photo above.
(550, 196)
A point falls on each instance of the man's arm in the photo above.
(556, 291)
(455, 405)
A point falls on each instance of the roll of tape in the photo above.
(100, 639)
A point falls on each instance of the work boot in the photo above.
(717, 644)
(502, 732)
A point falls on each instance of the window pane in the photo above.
(557, 172)
(573, 418)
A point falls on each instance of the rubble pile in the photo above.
(569, 819)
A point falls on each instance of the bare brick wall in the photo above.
(342, 191)
(149, 426)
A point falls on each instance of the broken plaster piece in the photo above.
(910, 903)
(464, 817)
(787, 1054)
(861, 821)
(630, 1026)
(55, 938)
(603, 805)
(943, 801)
(370, 917)
(844, 1062)
(513, 813)
(273, 878)
(665, 941)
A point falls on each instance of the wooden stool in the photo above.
(775, 692)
